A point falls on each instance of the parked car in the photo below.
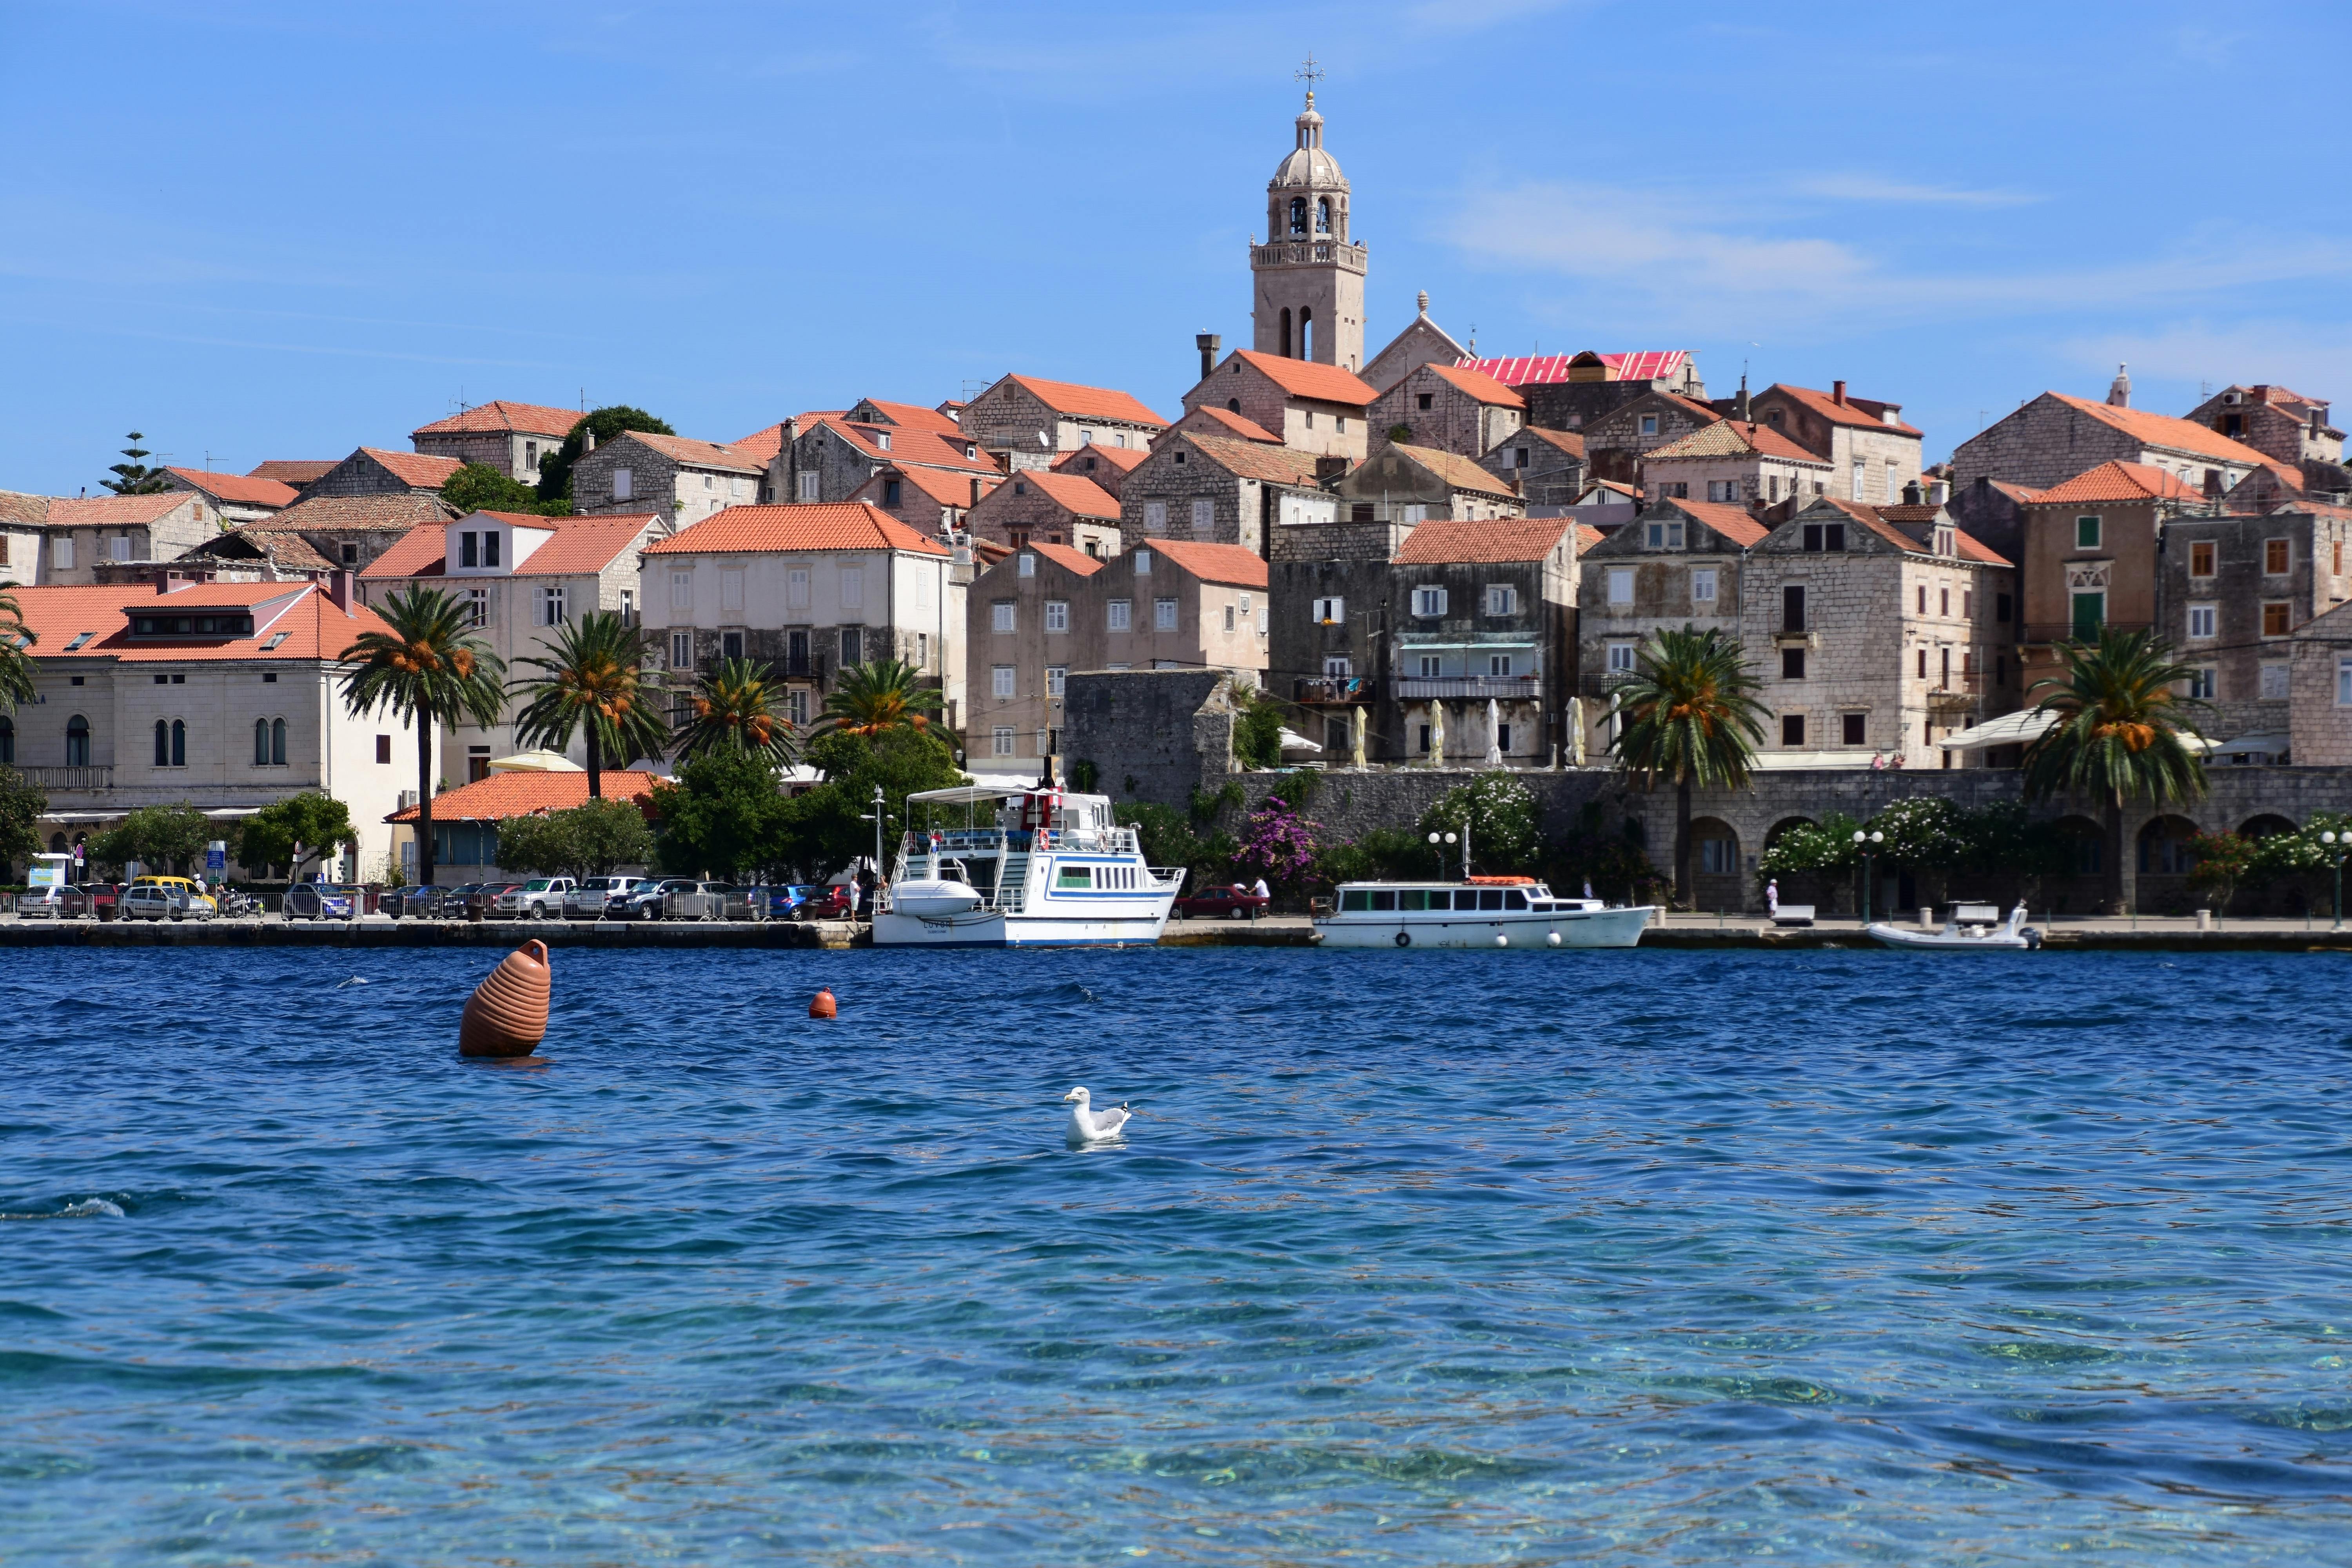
(323, 901)
(643, 901)
(98, 900)
(693, 902)
(183, 885)
(589, 901)
(826, 903)
(174, 899)
(483, 900)
(784, 901)
(424, 903)
(1232, 901)
(533, 898)
(751, 903)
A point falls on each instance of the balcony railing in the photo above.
(1306, 252)
(1521, 688)
(98, 775)
(2064, 631)
(1332, 689)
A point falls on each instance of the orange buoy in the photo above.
(822, 1005)
(507, 1014)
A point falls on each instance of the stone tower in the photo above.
(1308, 278)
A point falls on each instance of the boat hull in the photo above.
(990, 928)
(1529, 931)
(1947, 941)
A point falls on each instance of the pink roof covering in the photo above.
(1536, 370)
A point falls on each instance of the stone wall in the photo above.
(1176, 476)
(1152, 734)
(653, 479)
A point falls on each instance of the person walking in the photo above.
(1772, 897)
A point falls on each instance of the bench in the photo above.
(1794, 915)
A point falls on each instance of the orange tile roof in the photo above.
(2163, 430)
(1074, 493)
(1587, 536)
(295, 471)
(376, 513)
(1459, 472)
(1971, 547)
(2117, 481)
(1231, 563)
(1256, 460)
(1062, 555)
(1613, 487)
(946, 487)
(1731, 439)
(520, 794)
(927, 448)
(1880, 522)
(1232, 424)
(818, 525)
(1853, 411)
(915, 417)
(315, 627)
(417, 469)
(1477, 384)
(1452, 541)
(580, 545)
(1730, 520)
(760, 446)
(1306, 378)
(522, 419)
(699, 454)
(1086, 402)
(243, 488)
(115, 511)
(1566, 441)
(1124, 459)
(18, 507)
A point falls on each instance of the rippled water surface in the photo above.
(1438, 1258)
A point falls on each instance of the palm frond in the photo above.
(737, 707)
(2121, 732)
(884, 694)
(1689, 712)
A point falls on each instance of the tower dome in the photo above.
(1309, 166)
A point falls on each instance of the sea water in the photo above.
(1408, 1258)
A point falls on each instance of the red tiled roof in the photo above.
(1613, 487)
(1256, 460)
(1732, 521)
(1077, 561)
(1587, 536)
(1306, 378)
(18, 507)
(497, 414)
(1862, 411)
(580, 545)
(1731, 439)
(1452, 542)
(1885, 522)
(1566, 441)
(1477, 384)
(1232, 424)
(520, 794)
(818, 525)
(314, 627)
(1231, 563)
(697, 454)
(416, 470)
(2163, 430)
(242, 489)
(1086, 402)
(1459, 472)
(1074, 493)
(1123, 458)
(915, 417)
(945, 488)
(115, 511)
(295, 471)
(1973, 549)
(926, 448)
(760, 446)
(2117, 481)
(1538, 370)
(376, 513)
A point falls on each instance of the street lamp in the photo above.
(1434, 839)
(1866, 840)
(2337, 846)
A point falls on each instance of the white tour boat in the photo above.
(1973, 928)
(1479, 911)
(1040, 867)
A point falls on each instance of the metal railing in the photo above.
(1523, 688)
(1333, 689)
(95, 775)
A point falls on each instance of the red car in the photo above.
(1235, 902)
(824, 904)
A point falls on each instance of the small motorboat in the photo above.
(942, 897)
(1973, 928)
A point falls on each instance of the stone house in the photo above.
(1545, 466)
(1026, 421)
(1422, 342)
(1452, 410)
(524, 578)
(1328, 587)
(2284, 426)
(1211, 419)
(372, 471)
(314, 537)
(1728, 462)
(1105, 466)
(509, 437)
(2319, 691)
(1677, 565)
(1185, 604)
(2055, 437)
(1049, 507)
(1214, 490)
(805, 590)
(1568, 392)
(234, 497)
(64, 541)
(299, 472)
(932, 501)
(2091, 557)
(682, 480)
(223, 695)
(830, 457)
(1993, 512)
(2233, 590)
(1871, 454)
(1616, 442)
(1416, 484)
(1875, 633)
(1315, 408)
(1484, 612)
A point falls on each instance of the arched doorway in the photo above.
(2263, 827)
(1717, 879)
(2164, 860)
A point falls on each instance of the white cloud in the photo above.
(1852, 187)
(2313, 359)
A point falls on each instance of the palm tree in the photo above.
(736, 708)
(2118, 735)
(427, 667)
(16, 661)
(1687, 713)
(594, 681)
(883, 695)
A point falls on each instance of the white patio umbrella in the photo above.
(541, 762)
(1493, 734)
(1437, 734)
(1358, 758)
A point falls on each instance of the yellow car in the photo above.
(185, 888)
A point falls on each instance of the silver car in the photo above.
(533, 900)
(694, 901)
(587, 901)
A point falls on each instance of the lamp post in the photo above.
(2337, 846)
(1866, 840)
(1434, 840)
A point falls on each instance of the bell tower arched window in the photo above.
(1298, 215)
(261, 743)
(1323, 215)
(163, 744)
(1306, 334)
(278, 743)
(1286, 332)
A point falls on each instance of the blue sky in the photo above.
(262, 230)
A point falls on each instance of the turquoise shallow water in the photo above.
(1666, 1257)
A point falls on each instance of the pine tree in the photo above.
(134, 478)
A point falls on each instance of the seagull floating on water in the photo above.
(1091, 1126)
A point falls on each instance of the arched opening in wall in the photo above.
(1782, 829)
(2264, 826)
(1298, 215)
(1717, 879)
(56, 843)
(2078, 880)
(1232, 405)
(1286, 332)
(1322, 214)
(2164, 863)
(77, 741)
(1306, 334)
(8, 740)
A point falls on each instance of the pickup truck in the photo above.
(595, 895)
(533, 900)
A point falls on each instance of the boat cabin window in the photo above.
(1412, 898)
(1355, 899)
(1385, 899)
(1076, 876)
(1490, 898)
(1515, 899)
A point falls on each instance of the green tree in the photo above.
(478, 486)
(1258, 729)
(737, 709)
(555, 469)
(427, 667)
(317, 822)
(134, 478)
(1505, 824)
(166, 838)
(882, 694)
(21, 807)
(16, 640)
(1923, 833)
(593, 681)
(584, 841)
(2119, 732)
(1612, 864)
(831, 824)
(1688, 714)
(1170, 837)
(723, 816)
(2222, 861)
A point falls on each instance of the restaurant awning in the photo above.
(2009, 729)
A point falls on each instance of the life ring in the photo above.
(1404, 939)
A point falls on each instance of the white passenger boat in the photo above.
(1973, 928)
(1479, 911)
(989, 867)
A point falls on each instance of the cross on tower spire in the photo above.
(1310, 73)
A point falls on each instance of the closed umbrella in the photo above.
(1576, 730)
(1358, 758)
(1437, 734)
(1493, 734)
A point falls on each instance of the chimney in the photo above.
(587, 440)
(975, 490)
(1740, 403)
(1837, 392)
(2119, 390)
(1913, 495)
(339, 589)
(1208, 343)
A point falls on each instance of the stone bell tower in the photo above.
(1307, 277)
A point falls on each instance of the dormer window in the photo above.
(225, 624)
(469, 550)
(882, 440)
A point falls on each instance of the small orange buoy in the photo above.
(507, 1014)
(822, 1005)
